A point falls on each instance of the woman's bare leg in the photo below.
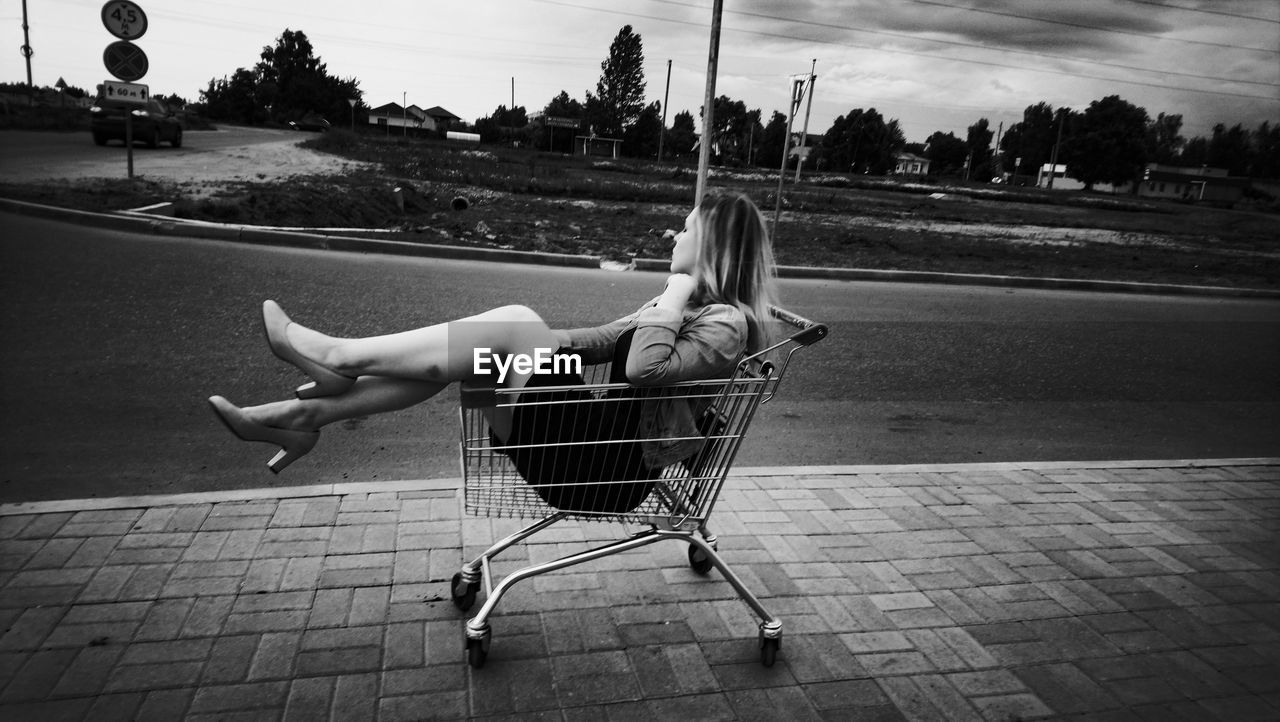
(441, 353)
(369, 395)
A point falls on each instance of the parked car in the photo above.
(152, 123)
(312, 122)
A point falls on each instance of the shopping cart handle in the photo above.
(809, 333)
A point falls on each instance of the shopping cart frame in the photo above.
(678, 506)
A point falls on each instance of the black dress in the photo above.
(583, 475)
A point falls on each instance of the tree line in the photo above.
(1110, 141)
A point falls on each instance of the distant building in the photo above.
(1060, 180)
(910, 164)
(394, 115)
(1210, 185)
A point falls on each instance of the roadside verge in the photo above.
(335, 241)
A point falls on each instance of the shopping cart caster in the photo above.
(463, 592)
(698, 560)
(770, 642)
(477, 645)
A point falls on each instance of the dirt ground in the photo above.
(216, 159)
(427, 192)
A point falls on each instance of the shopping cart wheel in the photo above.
(464, 594)
(476, 653)
(698, 560)
(769, 651)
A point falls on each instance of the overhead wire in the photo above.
(959, 43)
(1206, 11)
(1086, 26)
(846, 43)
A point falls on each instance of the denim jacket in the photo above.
(668, 347)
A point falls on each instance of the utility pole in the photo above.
(662, 132)
(27, 53)
(997, 154)
(797, 92)
(1053, 161)
(709, 102)
(804, 133)
(404, 113)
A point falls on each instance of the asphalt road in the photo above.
(113, 340)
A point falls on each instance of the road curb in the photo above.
(452, 484)
(301, 238)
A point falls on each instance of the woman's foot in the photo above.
(293, 443)
(325, 380)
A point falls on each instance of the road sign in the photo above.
(124, 19)
(125, 93)
(125, 60)
(555, 121)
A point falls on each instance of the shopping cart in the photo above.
(553, 476)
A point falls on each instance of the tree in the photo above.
(288, 82)
(979, 144)
(769, 154)
(504, 124)
(293, 81)
(734, 131)
(1107, 143)
(1266, 152)
(1163, 142)
(641, 139)
(682, 136)
(619, 97)
(946, 154)
(861, 142)
(562, 106)
(1031, 139)
(234, 99)
(1229, 148)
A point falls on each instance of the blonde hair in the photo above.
(735, 262)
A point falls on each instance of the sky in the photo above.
(934, 65)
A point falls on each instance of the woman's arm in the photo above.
(665, 350)
(594, 344)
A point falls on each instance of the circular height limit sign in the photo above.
(124, 19)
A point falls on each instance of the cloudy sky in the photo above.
(932, 64)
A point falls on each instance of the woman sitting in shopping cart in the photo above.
(713, 310)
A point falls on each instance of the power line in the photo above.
(1049, 71)
(1084, 26)
(1118, 66)
(1206, 12)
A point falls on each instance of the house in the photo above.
(910, 164)
(394, 115)
(1059, 175)
(1211, 185)
(1202, 183)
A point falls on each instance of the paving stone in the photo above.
(309, 698)
(1066, 689)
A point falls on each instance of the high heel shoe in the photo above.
(325, 381)
(293, 444)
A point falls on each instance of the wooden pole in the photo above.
(709, 102)
(804, 133)
(794, 104)
(662, 132)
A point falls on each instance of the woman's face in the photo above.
(684, 256)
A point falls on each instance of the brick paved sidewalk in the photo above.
(1104, 591)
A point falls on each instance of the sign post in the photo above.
(125, 61)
